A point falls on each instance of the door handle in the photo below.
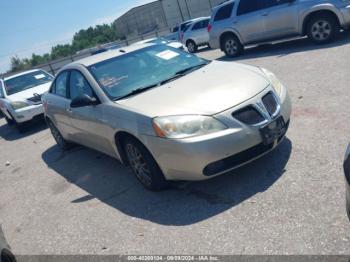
(235, 22)
(265, 14)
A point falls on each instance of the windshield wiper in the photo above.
(182, 73)
(138, 91)
(175, 76)
(189, 69)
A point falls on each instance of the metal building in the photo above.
(162, 15)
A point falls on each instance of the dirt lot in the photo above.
(289, 202)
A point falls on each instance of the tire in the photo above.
(21, 127)
(7, 256)
(323, 29)
(9, 121)
(232, 46)
(61, 142)
(191, 46)
(143, 165)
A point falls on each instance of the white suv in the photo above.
(20, 96)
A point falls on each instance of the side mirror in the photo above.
(83, 100)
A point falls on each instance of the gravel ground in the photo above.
(289, 202)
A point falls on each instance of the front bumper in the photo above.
(347, 180)
(27, 113)
(187, 159)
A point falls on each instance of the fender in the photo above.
(320, 7)
(231, 30)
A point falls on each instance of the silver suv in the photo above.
(196, 34)
(235, 24)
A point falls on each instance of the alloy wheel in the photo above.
(138, 164)
(231, 47)
(321, 30)
(190, 47)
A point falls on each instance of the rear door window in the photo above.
(60, 86)
(201, 25)
(224, 12)
(249, 6)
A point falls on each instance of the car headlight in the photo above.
(18, 105)
(186, 126)
(275, 82)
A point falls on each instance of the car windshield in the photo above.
(146, 67)
(23, 82)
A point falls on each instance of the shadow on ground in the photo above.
(287, 47)
(10, 133)
(103, 178)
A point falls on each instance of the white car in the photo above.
(20, 96)
(161, 41)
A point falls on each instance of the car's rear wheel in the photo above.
(61, 142)
(323, 29)
(191, 46)
(232, 46)
(143, 165)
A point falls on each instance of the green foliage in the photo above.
(85, 38)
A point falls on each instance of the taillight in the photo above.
(209, 28)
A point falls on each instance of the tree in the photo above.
(85, 38)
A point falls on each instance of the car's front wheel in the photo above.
(191, 46)
(323, 29)
(143, 165)
(60, 141)
(9, 121)
(232, 46)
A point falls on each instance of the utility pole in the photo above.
(188, 10)
(211, 5)
(182, 16)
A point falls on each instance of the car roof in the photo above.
(22, 73)
(94, 59)
(223, 4)
(194, 20)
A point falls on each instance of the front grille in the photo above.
(236, 160)
(241, 158)
(36, 99)
(270, 103)
(248, 115)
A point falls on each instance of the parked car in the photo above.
(161, 41)
(197, 35)
(174, 34)
(5, 250)
(168, 114)
(20, 96)
(238, 23)
(347, 179)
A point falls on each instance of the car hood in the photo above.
(24, 95)
(207, 91)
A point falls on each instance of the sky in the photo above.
(34, 26)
